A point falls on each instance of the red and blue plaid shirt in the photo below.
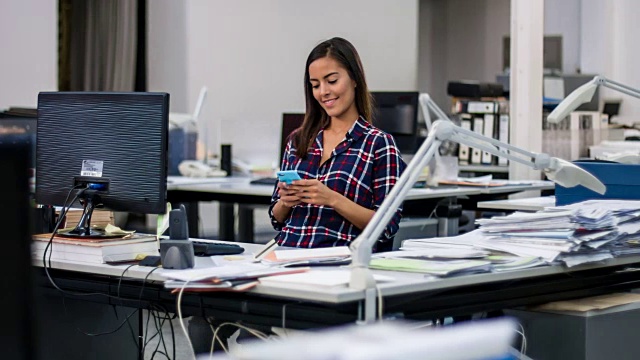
(363, 167)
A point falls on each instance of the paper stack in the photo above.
(228, 277)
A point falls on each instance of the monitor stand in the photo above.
(83, 230)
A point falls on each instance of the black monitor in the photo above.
(396, 113)
(111, 145)
(18, 325)
(290, 122)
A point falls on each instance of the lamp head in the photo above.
(579, 96)
(569, 175)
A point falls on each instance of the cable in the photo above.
(184, 329)
(259, 334)
(523, 346)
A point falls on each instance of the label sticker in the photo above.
(92, 168)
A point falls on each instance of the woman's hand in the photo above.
(288, 195)
(313, 191)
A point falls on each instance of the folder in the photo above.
(463, 150)
(488, 128)
(503, 135)
(478, 126)
(476, 107)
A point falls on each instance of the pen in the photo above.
(270, 246)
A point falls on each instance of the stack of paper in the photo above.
(338, 255)
(230, 277)
(432, 267)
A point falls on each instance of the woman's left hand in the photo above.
(313, 191)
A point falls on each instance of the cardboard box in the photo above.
(622, 182)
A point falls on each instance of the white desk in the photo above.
(238, 190)
(404, 283)
(526, 204)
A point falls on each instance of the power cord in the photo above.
(523, 345)
(259, 334)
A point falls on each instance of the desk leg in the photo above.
(245, 224)
(227, 222)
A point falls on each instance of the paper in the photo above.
(432, 267)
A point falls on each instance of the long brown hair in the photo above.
(315, 117)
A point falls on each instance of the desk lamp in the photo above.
(560, 171)
(584, 94)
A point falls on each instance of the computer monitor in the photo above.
(112, 145)
(19, 326)
(396, 113)
(290, 122)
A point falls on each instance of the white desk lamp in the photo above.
(584, 94)
(560, 171)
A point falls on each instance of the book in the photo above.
(95, 251)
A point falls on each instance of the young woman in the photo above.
(347, 165)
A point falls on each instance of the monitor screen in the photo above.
(396, 113)
(290, 122)
(116, 138)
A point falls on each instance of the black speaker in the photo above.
(178, 224)
(225, 159)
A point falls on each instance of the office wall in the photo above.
(562, 17)
(251, 55)
(167, 51)
(609, 37)
(458, 40)
(29, 48)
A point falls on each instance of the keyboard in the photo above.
(271, 181)
(201, 248)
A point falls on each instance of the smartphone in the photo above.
(288, 176)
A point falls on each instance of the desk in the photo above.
(410, 295)
(238, 190)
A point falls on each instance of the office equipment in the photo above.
(183, 135)
(611, 108)
(19, 328)
(585, 94)
(622, 182)
(558, 170)
(225, 159)
(177, 252)
(201, 248)
(112, 147)
(474, 89)
(551, 50)
(198, 169)
(396, 113)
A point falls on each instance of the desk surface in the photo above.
(404, 283)
(242, 186)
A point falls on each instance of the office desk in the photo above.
(238, 190)
(305, 306)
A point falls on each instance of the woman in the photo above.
(347, 165)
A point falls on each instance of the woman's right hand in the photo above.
(288, 196)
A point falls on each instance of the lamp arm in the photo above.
(442, 130)
(537, 161)
(426, 104)
(361, 247)
(617, 86)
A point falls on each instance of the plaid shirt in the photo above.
(363, 167)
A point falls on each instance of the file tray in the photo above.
(622, 182)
